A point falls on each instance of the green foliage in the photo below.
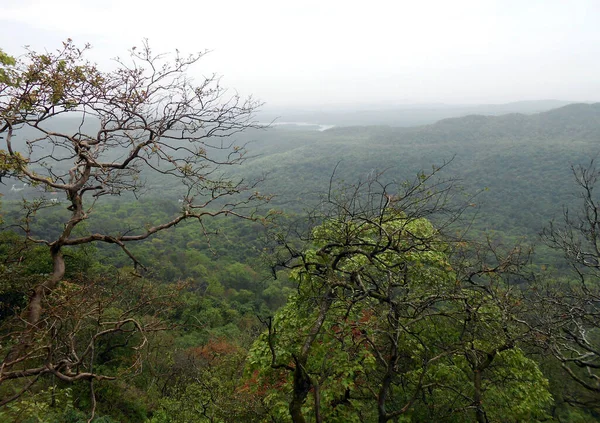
(195, 372)
(514, 390)
(398, 321)
(6, 63)
(54, 405)
(337, 360)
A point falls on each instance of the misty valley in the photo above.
(172, 252)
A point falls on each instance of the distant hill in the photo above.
(523, 160)
(404, 115)
(580, 119)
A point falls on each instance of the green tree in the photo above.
(388, 324)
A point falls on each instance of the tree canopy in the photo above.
(391, 320)
(378, 303)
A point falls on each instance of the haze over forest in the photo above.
(306, 212)
(314, 54)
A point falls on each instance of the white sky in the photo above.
(330, 52)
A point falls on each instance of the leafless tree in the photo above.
(145, 117)
(568, 319)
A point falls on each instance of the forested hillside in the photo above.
(167, 258)
(522, 161)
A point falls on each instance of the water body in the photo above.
(317, 126)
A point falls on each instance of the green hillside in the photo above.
(523, 160)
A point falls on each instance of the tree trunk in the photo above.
(58, 262)
(35, 301)
(302, 381)
(302, 385)
(478, 397)
(383, 393)
(317, 394)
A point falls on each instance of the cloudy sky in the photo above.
(329, 52)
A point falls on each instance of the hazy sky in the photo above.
(330, 52)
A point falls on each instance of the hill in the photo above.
(402, 115)
(522, 160)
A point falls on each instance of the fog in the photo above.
(339, 54)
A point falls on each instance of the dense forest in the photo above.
(166, 257)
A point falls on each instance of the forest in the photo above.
(167, 257)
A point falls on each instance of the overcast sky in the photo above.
(330, 52)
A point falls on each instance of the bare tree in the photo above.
(568, 321)
(145, 117)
